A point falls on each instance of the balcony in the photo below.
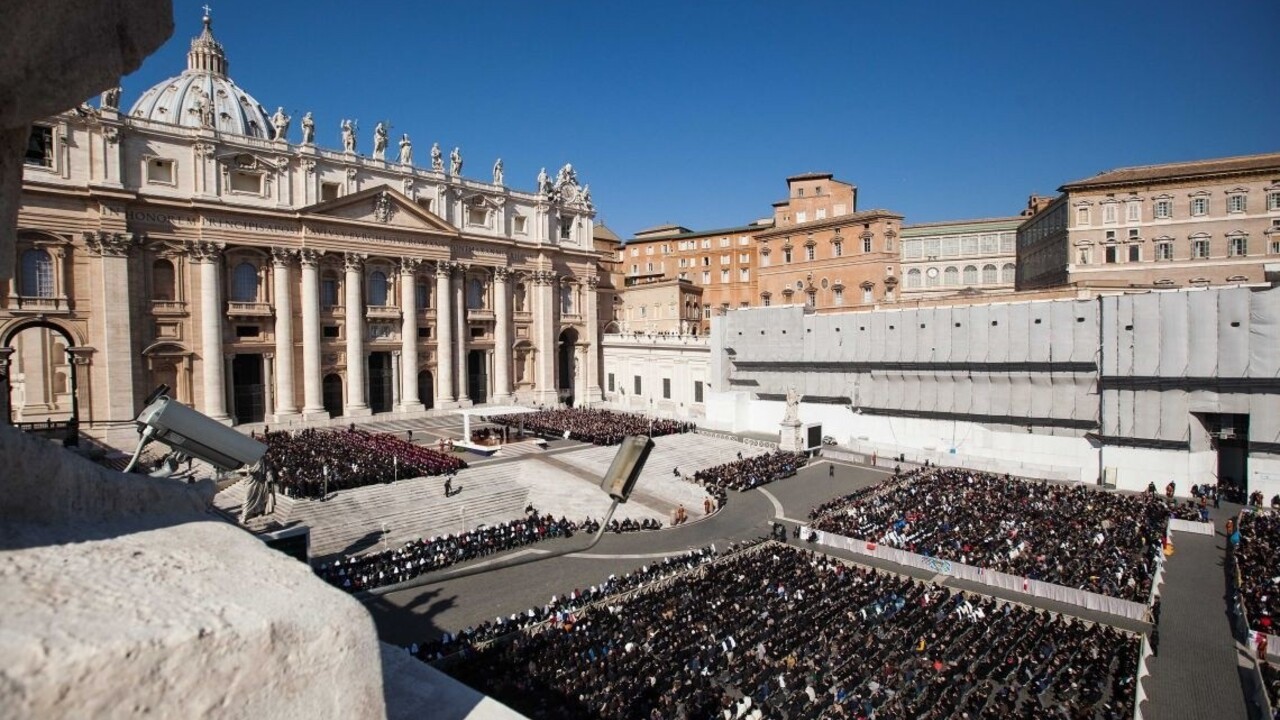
(168, 307)
(27, 305)
(382, 312)
(522, 316)
(249, 309)
(479, 314)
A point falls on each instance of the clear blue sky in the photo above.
(695, 111)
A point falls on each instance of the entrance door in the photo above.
(380, 379)
(565, 362)
(477, 376)
(332, 389)
(426, 389)
(1230, 434)
(247, 389)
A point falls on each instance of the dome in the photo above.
(204, 96)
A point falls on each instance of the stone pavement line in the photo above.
(778, 511)
(1194, 672)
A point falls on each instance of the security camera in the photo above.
(195, 434)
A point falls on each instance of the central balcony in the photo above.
(249, 309)
(382, 312)
(479, 314)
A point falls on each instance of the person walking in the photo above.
(831, 470)
(448, 485)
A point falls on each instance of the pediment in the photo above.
(382, 206)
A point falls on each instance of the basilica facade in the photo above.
(194, 241)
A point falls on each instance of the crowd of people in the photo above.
(747, 473)
(598, 427)
(313, 463)
(779, 631)
(419, 557)
(1256, 557)
(1100, 542)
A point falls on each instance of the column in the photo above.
(544, 331)
(444, 335)
(268, 386)
(312, 386)
(115, 325)
(409, 335)
(395, 379)
(460, 310)
(356, 404)
(286, 402)
(591, 315)
(209, 255)
(578, 351)
(501, 336)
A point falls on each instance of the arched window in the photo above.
(475, 294)
(377, 288)
(520, 297)
(988, 274)
(970, 275)
(37, 274)
(1008, 272)
(422, 293)
(913, 278)
(162, 285)
(951, 276)
(244, 283)
(566, 299)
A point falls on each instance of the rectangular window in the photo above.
(764, 260)
(1111, 254)
(724, 242)
(866, 244)
(744, 257)
(160, 171)
(706, 277)
(1275, 247)
(810, 253)
(1135, 253)
(637, 384)
(40, 147)
(329, 191)
(424, 333)
(328, 293)
(706, 243)
(1235, 203)
(1163, 209)
(1200, 206)
(648, 250)
(610, 382)
(801, 216)
(520, 225)
(1238, 246)
(969, 244)
(666, 388)
(246, 182)
(726, 259)
(478, 217)
(764, 301)
(837, 249)
(697, 391)
(867, 295)
(1083, 258)
(1200, 249)
(820, 214)
(1109, 213)
(1133, 235)
(786, 256)
(744, 240)
(1133, 211)
(744, 274)
(1082, 216)
(247, 331)
(706, 261)
(648, 267)
(724, 276)
(635, 269)
(744, 305)
(331, 331)
(1273, 201)
(839, 296)
(635, 252)
(1164, 251)
(912, 249)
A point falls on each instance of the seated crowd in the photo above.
(599, 427)
(419, 557)
(782, 632)
(1100, 542)
(751, 472)
(313, 463)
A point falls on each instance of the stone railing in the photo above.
(249, 309)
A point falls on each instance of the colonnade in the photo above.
(450, 341)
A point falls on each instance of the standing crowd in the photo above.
(598, 427)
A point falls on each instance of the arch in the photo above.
(163, 280)
(970, 275)
(612, 327)
(244, 282)
(951, 276)
(425, 384)
(988, 274)
(377, 288)
(71, 342)
(1008, 272)
(913, 278)
(36, 276)
(331, 389)
(475, 293)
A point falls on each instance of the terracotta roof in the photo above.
(698, 233)
(810, 176)
(662, 229)
(839, 220)
(1171, 171)
(602, 232)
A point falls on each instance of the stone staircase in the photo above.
(362, 519)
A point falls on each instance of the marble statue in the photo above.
(455, 162)
(437, 158)
(585, 197)
(792, 415)
(280, 122)
(348, 136)
(308, 129)
(406, 150)
(567, 176)
(497, 172)
(203, 109)
(544, 182)
(380, 142)
(110, 99)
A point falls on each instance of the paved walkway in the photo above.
(1198, 669)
